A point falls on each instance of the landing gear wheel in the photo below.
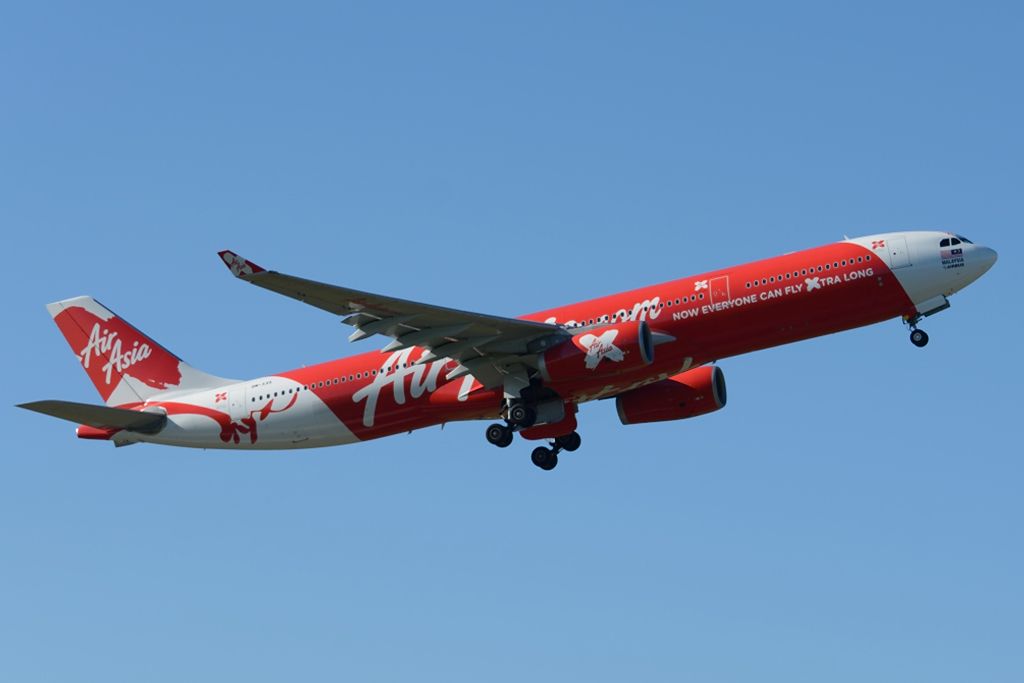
(919, 338)
(522, 415)
(499, 435)
(568, 442)
(544, 458)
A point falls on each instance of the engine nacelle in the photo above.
(606, 350)
(695, 392)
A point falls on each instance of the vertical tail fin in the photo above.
(124, 364)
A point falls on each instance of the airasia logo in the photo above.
(107, 344)
(423, 379)
(600, 347)
(238, 265)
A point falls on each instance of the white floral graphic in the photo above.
(237, 264)
(699, 285)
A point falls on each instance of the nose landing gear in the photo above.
(918, 338)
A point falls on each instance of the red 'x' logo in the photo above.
(878, 244)
(223, 396)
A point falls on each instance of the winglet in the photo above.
(239, 266)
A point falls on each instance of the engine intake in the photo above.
(605, 350)
(695, 392)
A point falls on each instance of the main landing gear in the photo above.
(500, 435)
(520, 417)
(547, 458)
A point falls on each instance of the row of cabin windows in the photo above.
(804, 271)
(329, 382)
(650, 307)
(686, 299)
(320, 385)
(764, 281)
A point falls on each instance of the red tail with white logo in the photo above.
(124, 364)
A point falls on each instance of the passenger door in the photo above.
(896, 251)
(719, 287)
(236, 399)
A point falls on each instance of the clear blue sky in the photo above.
(855, 512)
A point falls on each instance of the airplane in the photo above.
(653, 349)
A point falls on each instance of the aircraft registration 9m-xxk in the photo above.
(651, 349)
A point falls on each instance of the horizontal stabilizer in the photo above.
(100, 417)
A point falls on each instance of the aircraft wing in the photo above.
(491, 348)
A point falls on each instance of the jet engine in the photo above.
(605, 350)
(695, 392)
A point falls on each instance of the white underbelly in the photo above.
(305, 423)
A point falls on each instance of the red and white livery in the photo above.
(650, 348)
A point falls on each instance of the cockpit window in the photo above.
(964, 239)
(944, 242)
(953, 242)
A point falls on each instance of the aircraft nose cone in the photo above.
(980, 261)
(987, 257)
